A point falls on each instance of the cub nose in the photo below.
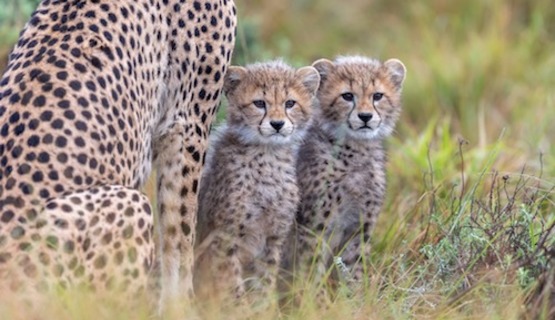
(277, 124)
(365, 117)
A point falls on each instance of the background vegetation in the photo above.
(466, 231)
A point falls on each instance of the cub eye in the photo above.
(377, 96)
(348, 96)
(290, 104)
(260, 104)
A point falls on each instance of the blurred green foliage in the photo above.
(13, 14)
(484, 65)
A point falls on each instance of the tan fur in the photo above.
(248, 193)
(95, 94)
(341, 165)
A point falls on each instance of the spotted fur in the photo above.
(248, 193)
(92, 91)
(341, 165)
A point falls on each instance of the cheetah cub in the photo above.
(248, 192)
(341, 166)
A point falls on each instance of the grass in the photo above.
(466, 230)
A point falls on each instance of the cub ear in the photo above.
(397, 71)
(310, 78)
(324, 67)
(233, 78)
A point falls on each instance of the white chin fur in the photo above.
(248, 135)
(277, 139)
(366, 134)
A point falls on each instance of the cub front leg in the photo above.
(313, 257)
(354, 257)
(268, 268)
(218, 271)
(262, 293)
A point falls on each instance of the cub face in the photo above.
(270, 102)
(359, 96)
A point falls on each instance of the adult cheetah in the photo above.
(92, 91)
(341, 165)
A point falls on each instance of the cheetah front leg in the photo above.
(262, 293)
(178, 171)
(313, 257)
(218, 270)
(354, 259)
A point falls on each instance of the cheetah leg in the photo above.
(99, 238)
(218, 270)
(261, 295)
(354, 257)
(313, 259)
(177, 178)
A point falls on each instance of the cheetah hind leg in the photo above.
(102, 238)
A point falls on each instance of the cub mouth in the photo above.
(365, 127)
(279, 134)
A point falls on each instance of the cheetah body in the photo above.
(93, 93)
(341, 164)
(248, 193)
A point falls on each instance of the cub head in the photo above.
(270, 102)
(359, 97)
